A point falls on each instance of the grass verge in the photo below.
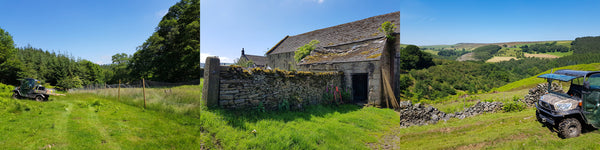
(317, 127)
(516, 130)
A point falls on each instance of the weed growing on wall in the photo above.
(305, 50)
(387, 28)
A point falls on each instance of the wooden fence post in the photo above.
(144, 91)
(119, 91)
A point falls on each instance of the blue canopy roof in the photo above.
(576, 73)
(557, 77)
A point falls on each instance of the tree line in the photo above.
(486, 52)
(447, 77)
(171, 54)
(543, 48)
(582, 45)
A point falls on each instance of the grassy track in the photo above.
(82, 121)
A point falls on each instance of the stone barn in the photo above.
(369, 60)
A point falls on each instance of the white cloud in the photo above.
(105, 59)
(320, 1)
(223, 59)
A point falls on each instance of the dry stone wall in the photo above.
(272, 89)
(535, 93)
(418, 114)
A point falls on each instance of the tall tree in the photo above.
(413, 58)
(9, 65)
(7, 46)
(172, 52)
(119, 67)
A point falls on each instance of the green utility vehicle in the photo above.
(579, 107)
(31, 88)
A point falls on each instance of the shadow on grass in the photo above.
(239, 118)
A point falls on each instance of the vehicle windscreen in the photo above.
(594, 81)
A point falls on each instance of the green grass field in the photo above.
(560, 54)
(83, 121)
(432, 52)
(317, 127)
(516, 130)
(173, 119)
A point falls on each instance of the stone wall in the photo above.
(418, 114)
(272, 89)
(535, 93)
(372, 68)
(281, 61)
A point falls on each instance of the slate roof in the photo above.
(258, 60)
(366, 50)
(344, 33)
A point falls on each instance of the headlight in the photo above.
(563, 106)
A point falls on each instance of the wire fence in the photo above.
(138, 84)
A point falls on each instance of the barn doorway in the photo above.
(360, 87)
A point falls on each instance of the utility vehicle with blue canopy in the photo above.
(579, 107)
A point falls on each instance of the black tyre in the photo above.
(569, 128)
(15, 96)
(537, 116)
(39, 98)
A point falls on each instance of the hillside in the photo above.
(509, 50)
(471, 46)
(504, 130)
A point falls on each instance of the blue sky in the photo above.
(228, 26)
(96, 30)
(90, 29)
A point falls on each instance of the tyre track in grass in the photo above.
(60, 124)
(101, 128)
(85, 130)
(86, 121)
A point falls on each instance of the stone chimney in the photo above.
(242, 51)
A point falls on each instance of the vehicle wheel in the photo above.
(39, 98)
(537, 116)
(15, 96)
(569, 128)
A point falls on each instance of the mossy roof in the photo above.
(344, 33)
(367, 50)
